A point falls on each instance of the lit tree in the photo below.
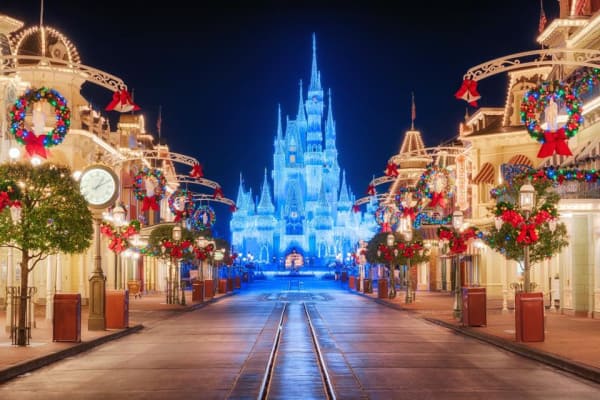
(54, 218)
(538, 232)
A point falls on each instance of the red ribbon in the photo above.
(117, 244)
(218, 194)
(232, 208)
(409, 212)
(528, 235)
(371, 190)
(437, 198)
(150, 203)
(458, 245)
(178, 216)
(196, 171)
(391, 169)
(122, 102)
(468, 92)
(35, 145)
(355, 208)
(386, 227)
(555, 142)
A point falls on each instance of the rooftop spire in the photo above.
(279, 129)
(315, 79)
(265, 204)
(344, 195)
(301, 114)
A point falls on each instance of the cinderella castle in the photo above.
(309, 218)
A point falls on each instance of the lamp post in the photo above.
(457, 223)
(526, 203)
(390, 241)
(117, 217)
(405, 229)
(176, 236)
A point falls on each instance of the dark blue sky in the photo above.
(220, 68)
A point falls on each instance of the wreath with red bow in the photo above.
(201, 214)
(426, 186)
(188, 204)
(386, 212)
(536, 101)
(139, 190)
(38, 144)
(119, 240)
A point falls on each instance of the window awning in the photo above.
(485, 175)
(520, 159)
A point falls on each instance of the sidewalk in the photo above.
(571, 343)
(144, 312)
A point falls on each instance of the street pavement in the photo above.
(571, 343)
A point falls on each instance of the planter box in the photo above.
(474, 311)
(529, 317)
(66, 322)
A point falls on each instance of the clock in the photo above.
(99, 185)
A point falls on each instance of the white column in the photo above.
(10, 270)
(49, 289)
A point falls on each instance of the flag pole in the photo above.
(413, 112)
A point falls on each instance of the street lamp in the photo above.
(176, 236)
(526, 203)
(117, 217)
(390, 241)
(457, 223)
(405, 229)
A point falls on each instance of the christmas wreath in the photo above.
(203, 218)
(119, 239)
(149, 187)
(38, 144)
(436, 185)
(539, 99)
(181, 204)
(386, 217)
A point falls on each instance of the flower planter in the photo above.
(529, 317)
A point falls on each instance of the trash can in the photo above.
(222, 285)
(474, 306)
(209, 291)
(351, 282)
(237, 282)
(230, 284)
(198, 291)
(66, 322)
(117, 309)
(344, 276)
(529, 317)
(382, 289)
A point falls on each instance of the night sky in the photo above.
(220, 68)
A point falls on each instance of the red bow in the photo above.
(468, 92)
(122, 102)
(528, 235)
(391, 170)
(35, 145)
(130, 231)
(178, 216)
(4, 200)
(371, 190)
(512, 217)
(232, 208)
(218, 194)
(409, 212)
(196, 171)
(355, 208)
(385, 227)
(117, 244)
(458, 246)
(437, 198)
(555, 142)
(176, 252)
(150, 203)
(446, 234)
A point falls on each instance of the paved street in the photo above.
(371, 351)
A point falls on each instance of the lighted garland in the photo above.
(435, 184)
(140, 190)
(535, 101)
(188, 205)
(28, 138)
(203, 218)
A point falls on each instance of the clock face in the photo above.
(98, 185)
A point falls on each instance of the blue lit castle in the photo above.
(309, 218)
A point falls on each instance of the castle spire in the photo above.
(265, 204)
(301, 113)
(344, 196)
(315, 76)
(330, 127)
(279, 129)
(240, 195)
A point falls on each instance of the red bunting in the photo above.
(196, 171)
(371, 190)
(468, 92)
(35, 145)
(555, 142)
(122, 102)
(391, 170)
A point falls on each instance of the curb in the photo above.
(36, 363)
(28, 366)
(573, 367)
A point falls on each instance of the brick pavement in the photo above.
(571, 343)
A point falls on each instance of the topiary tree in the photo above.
(54, 218)
(540, 232)
(402, 252)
